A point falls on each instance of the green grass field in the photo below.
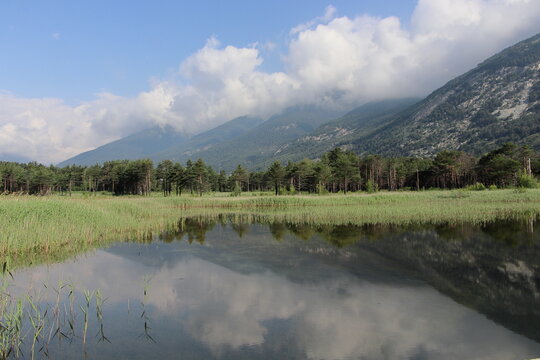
(57, 226)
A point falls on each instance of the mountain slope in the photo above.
(162, 143)
(207, 140)
(136, 146)
(263, 142)
(359, 122)
(14, 158)
(497, 102)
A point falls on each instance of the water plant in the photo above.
(28, 322)
(50, 229)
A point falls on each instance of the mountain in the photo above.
(160, 143)
(263, 142)
(135, 146)
(358, 123)
(14, 158)
(208, 139)
(496, 102)
(244, 140)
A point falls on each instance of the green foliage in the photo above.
(237, 191)
(371, 187)
(276, 175)
(500, 166)
(283, 191)
(526, 181)
(337, 171)
(321, 190)
(476, 187)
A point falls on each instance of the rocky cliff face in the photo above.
(497, 102)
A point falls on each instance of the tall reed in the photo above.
(37, 229)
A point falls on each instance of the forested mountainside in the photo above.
(160, 143)
(245, 140)
(360, 122)
(135, 146)
(208, 139)
(261, 143)
(497, 102)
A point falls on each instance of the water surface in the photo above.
(222, 290)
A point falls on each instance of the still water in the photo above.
(216, 289)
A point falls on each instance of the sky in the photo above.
(75, 75)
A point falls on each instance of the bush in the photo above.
(492, 187)
(237, 190)
(476, 187)
(282, 190)
(371, 187)
(321, 190)
(526, 181)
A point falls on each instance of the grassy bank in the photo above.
(60, 226)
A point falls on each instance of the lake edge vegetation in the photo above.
(79, 213)
(35, 229)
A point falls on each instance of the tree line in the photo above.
(336, 171)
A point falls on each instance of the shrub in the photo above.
(321, 190)
(237, 190)
(526, 181)
(371, 187)
(476, 187)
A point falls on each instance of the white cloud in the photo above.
(329, 14)
(340, 61)
(48, 130)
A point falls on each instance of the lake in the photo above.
(222, 288)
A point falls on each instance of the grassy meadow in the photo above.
(55, 227)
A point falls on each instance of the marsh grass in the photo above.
(29, 323)
(50, 229)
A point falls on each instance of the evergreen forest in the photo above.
(336, 171)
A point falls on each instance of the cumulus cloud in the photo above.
(329, 14)
(332, 60)
(48, 130)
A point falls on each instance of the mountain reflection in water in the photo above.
(229, 290)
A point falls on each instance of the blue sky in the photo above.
(75, 49)
(75, 75)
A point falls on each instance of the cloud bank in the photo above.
(336, 61)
